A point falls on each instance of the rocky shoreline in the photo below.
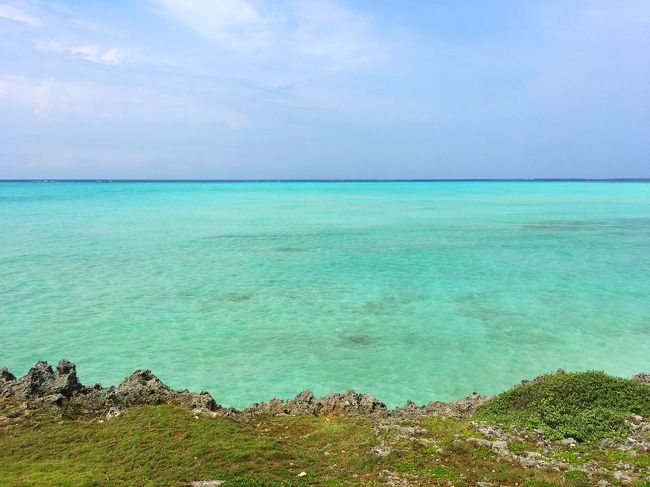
(53, 389)
(56, 389)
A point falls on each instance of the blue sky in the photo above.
(324, 89)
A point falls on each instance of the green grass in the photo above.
(587, 406)
(442, 472)
(168, 446)
(606, 457)
(252, 482)
(519, 447)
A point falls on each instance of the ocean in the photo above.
(252, 290)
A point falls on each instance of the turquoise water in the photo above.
(252, 290)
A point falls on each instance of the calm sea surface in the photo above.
(252, 290)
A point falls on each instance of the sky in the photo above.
(298, 89)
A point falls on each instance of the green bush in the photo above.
(587, 406)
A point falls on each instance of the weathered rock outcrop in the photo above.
(141, 387)
(43, 387)
(461, 408)
(350, 403)
(642, 377)
(6, 381)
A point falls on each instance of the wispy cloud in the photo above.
(88, 52)
(235, 23)
(17, 15)
(320, 30)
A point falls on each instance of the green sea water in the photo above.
(423, 291)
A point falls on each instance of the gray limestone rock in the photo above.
(379, 451)
(642, 377)
(42, 382)
(141, 387)
(350, 403)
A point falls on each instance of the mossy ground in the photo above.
(166, 445)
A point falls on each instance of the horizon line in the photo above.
(316, 180)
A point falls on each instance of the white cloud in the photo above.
(319, 30)
(232, 22)
(12, 13)
(88, 52)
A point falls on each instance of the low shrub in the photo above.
(587, 406)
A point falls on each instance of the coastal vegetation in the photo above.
(574, 429)
(587, 406)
